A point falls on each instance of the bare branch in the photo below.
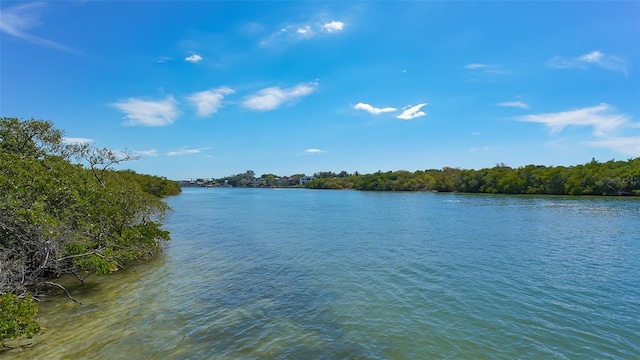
(65, 290)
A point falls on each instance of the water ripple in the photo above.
(260, 274)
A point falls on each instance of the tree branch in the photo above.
(65, 290)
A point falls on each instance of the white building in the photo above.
(306, 179)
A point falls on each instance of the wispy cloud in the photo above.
(600, 117)
(518, 104)
(313, 151)
(477, 66)
(186, 152)
(273, 97)
(76, 140)
(488, 69)
(195, 58)
(373, 110)
(294, 32)
(209, 101)
(17, 20)
(592, 59)
(305, 31)
(412, 112)
(164, 59)
(478, 149)
(148, 113)
(606, 123)
(624, 145)
(151, 152)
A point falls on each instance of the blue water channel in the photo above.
(313, 274)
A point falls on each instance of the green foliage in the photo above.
(609, 178)
(247, 179)
(326, 183)
(17, 317)
(325, 175)
(29, 138)
(59, 218)
(154, 185)
(239, 180)
(621, 178)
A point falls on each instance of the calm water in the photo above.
(302, 274)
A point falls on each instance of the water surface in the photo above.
(303, 274)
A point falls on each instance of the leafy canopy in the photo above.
(58, 217)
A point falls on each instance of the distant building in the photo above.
(196, 182)
(306, 179)
(189, 182)
(258, 182)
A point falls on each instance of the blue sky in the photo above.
(214, 88)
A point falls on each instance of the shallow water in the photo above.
(302, 274)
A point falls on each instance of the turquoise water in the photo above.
(303, 274)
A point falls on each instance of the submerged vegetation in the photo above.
(62, 217)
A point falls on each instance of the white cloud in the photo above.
(186, 152)
(412, 112)
(151, 152)
(16, 20)
(594, 58)
(560, 62)
(605, 122)
(273, 97)
(333, 26)
(373, 110)
(164, 59)
(476, 149)
(295, 32)
(602, 120)
(148, 113)
(195, 58)
(313, 151)
(209, 101)
(183, 152)
(76, 140)
(624, 145)
(518, 104)
(305, 31)
(477, 66)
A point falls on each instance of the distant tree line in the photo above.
(621, 178)
(247, 179)
(616, 178)
(63, 210)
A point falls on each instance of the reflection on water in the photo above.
(298, 274)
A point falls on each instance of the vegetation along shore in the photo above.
(63, 211)
(616, 178)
